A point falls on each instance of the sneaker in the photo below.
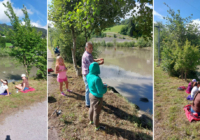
(87, 106)
(100, 128)
(69, 90)
(195, 114)
(91, 122)
(62, 93)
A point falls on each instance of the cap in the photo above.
(23, 75)
(194, 80)
(4, 82)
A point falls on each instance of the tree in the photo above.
(30, 48)
(84, 16)
(187, 58)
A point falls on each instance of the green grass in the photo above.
(9, 44)
(19, 100)
(118, 115)
(170, 121)
(115, 29)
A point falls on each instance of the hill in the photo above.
(114, 29)
(44, 31)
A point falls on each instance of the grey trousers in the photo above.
(95, 109)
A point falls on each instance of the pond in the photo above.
(12, 70)
(130, 72)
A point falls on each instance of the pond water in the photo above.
(129, 71)
(12, 70)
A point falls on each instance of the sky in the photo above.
(186, 7)
(37, 10)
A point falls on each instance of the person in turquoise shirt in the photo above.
(97, 90)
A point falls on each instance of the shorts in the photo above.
(194, 111)
(62, 80)
(25, 88)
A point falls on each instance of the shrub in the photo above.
(109, 44)
(114, 36)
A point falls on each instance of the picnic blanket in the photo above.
(190, 115)
(5, 93)
(28, 90)
(181, 88)
(189, 98)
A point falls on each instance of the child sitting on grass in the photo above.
(4, 87)
(24, 85)
(190, 86)
(195, 107)
(61, 71)
(97, 89)
(195, 89)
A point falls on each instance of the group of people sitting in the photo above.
(194, 89)
(21, 87)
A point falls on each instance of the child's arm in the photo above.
(57, 70)
(7, 92)
(101, 89)
(23, 86)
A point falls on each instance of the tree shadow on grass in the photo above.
(143, 121)
(126, 134)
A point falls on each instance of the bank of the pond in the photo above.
(170, 121)
(121, 118)
(19, 101)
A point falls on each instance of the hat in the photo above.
(4, 82)
(194, 80)
(23, 75)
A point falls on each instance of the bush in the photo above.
(141, 43)
(114, 36)
(109, 44)
(124, 30)
(126, 44)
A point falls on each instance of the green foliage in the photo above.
(115, 36)
(187, 58)
(126, 44)
(30, 48)
(109, 44)
(124, 30)
(181, 60)
(141, 42)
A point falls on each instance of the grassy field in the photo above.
(120, 117)
(8, 44)
(114, 29)
(170, 121)
(16, 101)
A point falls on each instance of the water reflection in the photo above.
(130, 73)
(11, 70)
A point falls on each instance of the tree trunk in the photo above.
(85, 35)
(74, 52)
(185, 75)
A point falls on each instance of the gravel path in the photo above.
(52, 133)
(29, 124)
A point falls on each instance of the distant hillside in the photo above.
(115, 29)
(44, 31)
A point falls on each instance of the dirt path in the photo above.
(52, 133)
(28, 124)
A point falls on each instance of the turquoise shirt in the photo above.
(95, 84)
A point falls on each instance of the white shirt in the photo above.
(3, 88)
(194, 91)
